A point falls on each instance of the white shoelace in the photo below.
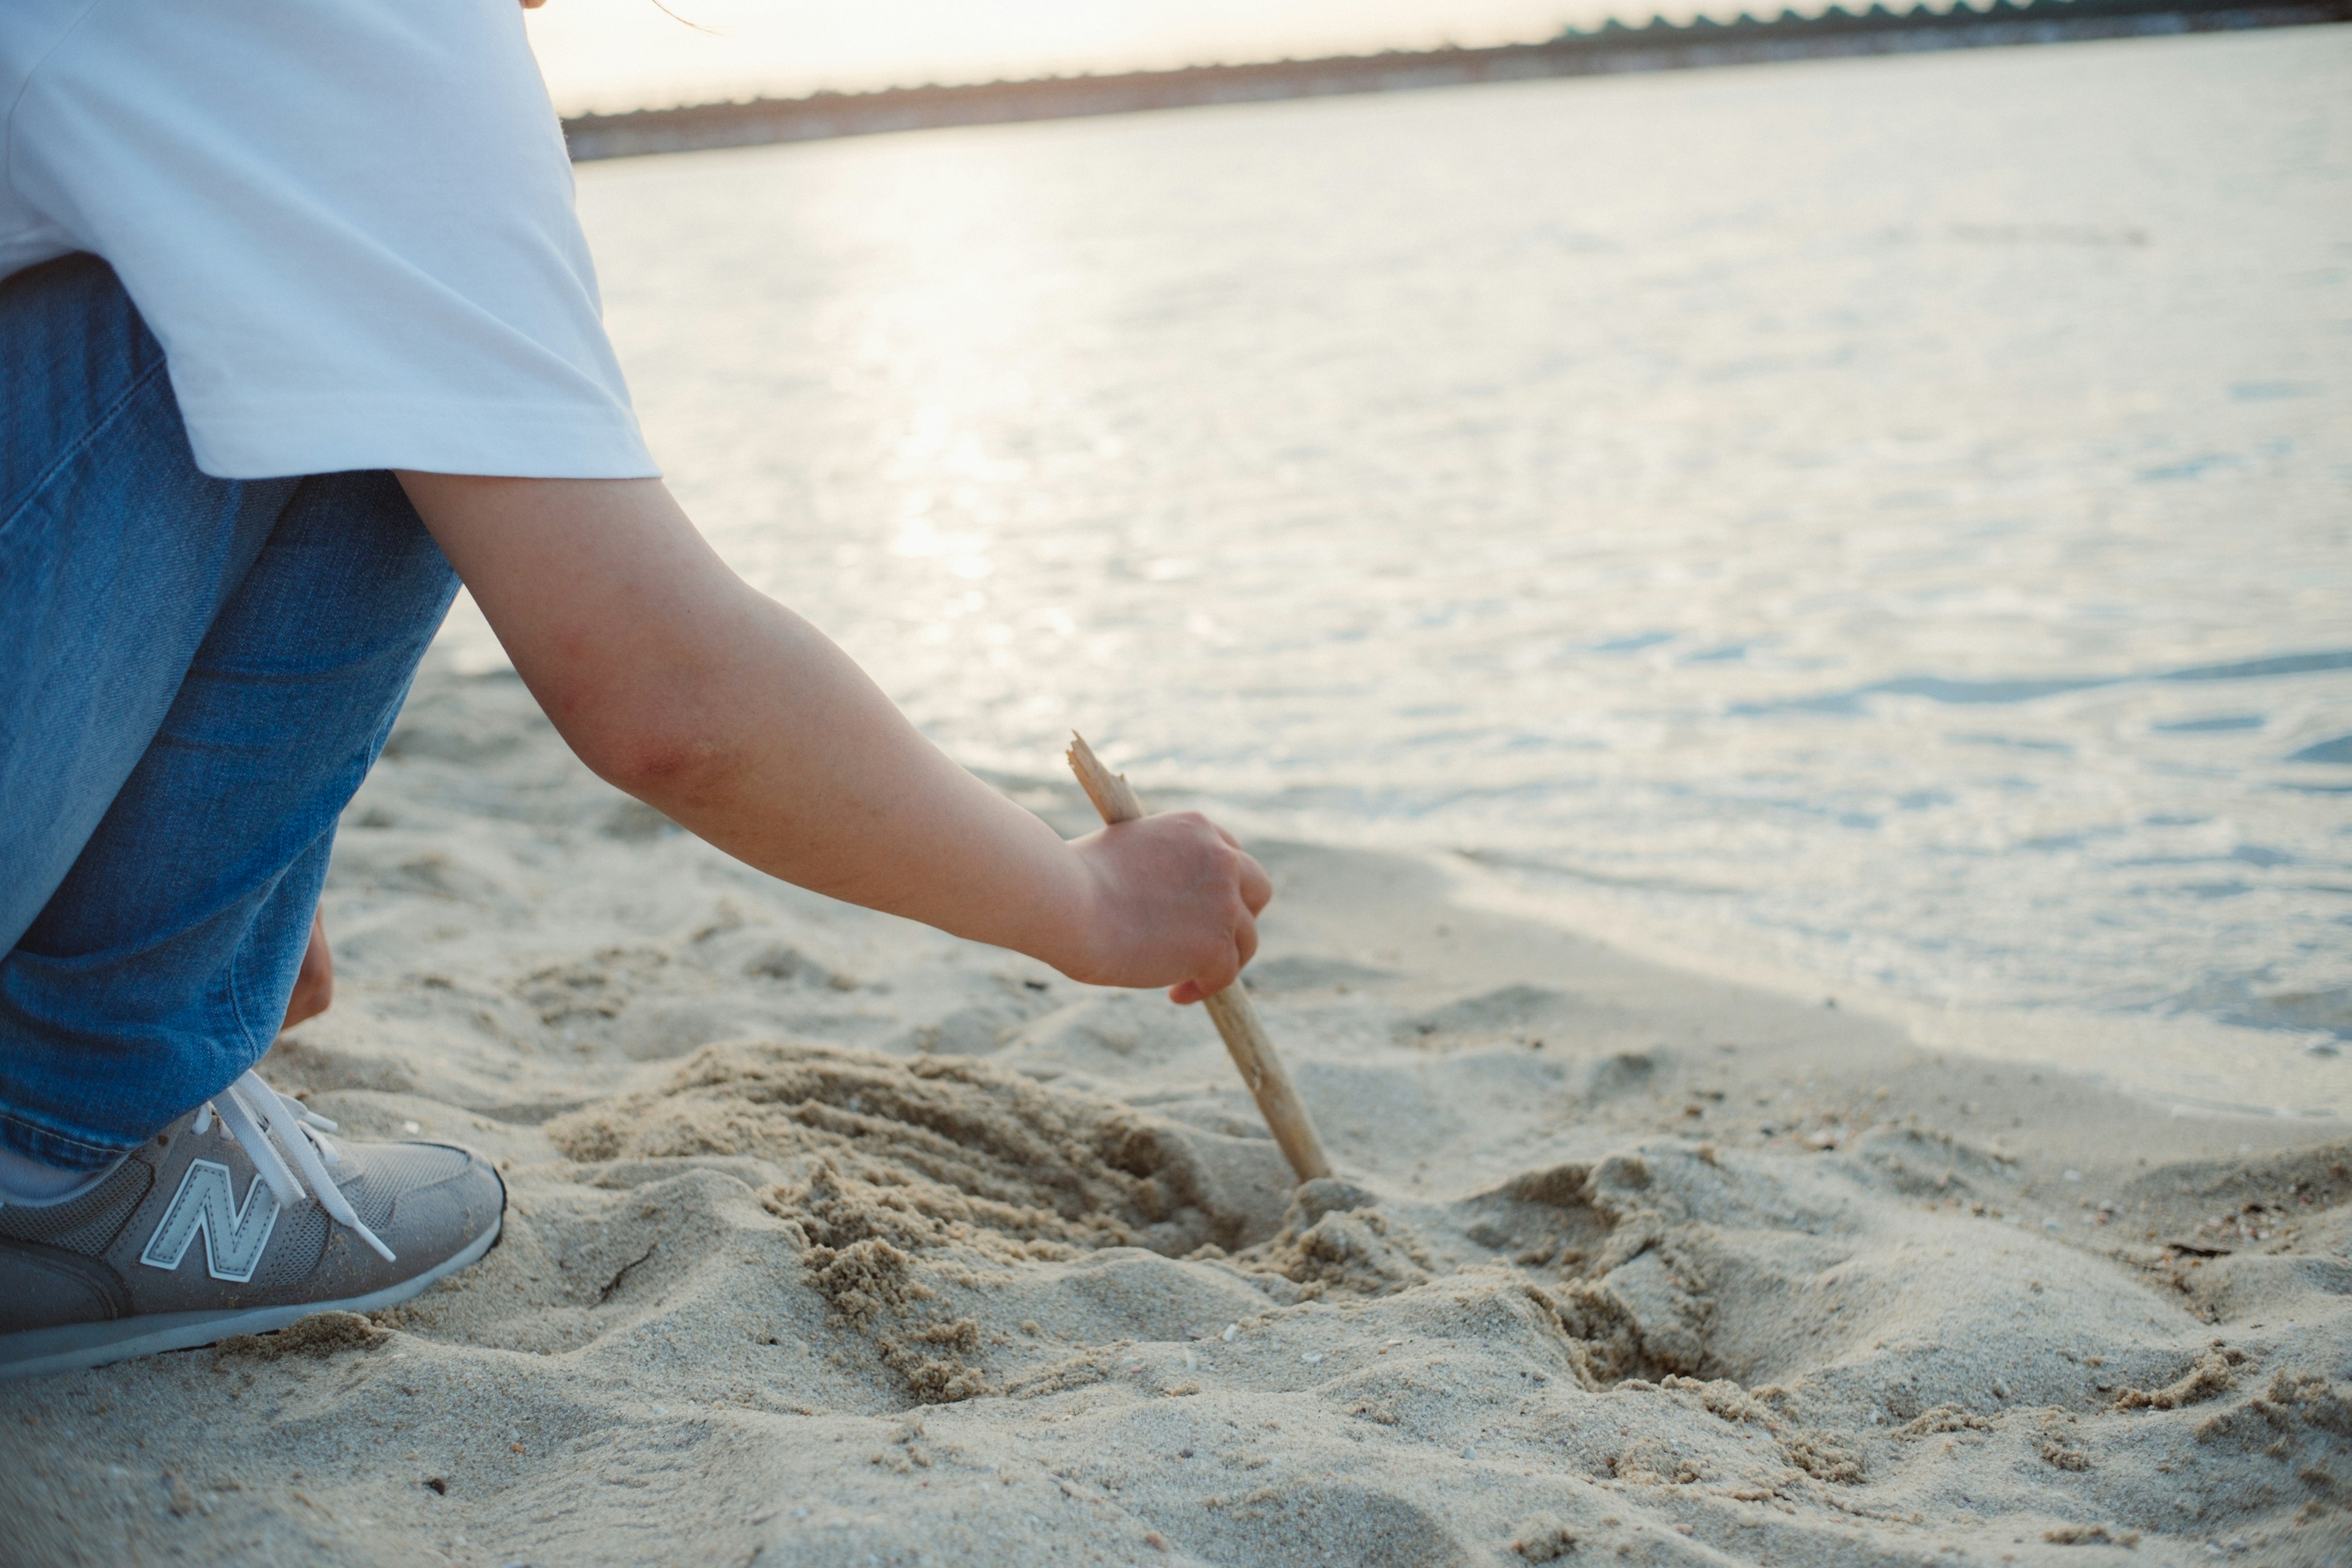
(272, 1129)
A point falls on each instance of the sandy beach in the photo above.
(834, 1240)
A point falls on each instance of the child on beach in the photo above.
(298, 331)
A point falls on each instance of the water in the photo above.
(1890, 514)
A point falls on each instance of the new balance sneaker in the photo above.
(240, 1217)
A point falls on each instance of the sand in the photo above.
(836, 1241)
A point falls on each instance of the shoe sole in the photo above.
(75, 1347)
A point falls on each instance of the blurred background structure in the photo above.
(1613, 47)
(613, 56)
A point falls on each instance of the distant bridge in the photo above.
(1660, 45)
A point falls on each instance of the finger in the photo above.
(1246, 942)
(1221, 833)
(1186, 994)
(1257, 888)
(1227, 970)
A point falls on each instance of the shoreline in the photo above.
(2194, 1064)
(2175, 1059)
(832, 1239)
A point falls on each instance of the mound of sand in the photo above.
(836, 1241)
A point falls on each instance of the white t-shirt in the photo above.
(348, 222)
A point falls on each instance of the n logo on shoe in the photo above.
(205, 1202)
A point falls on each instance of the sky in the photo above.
(626, 54)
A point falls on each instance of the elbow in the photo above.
(662, 756)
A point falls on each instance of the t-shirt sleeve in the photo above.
(349, 225)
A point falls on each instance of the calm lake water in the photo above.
(1893, 515)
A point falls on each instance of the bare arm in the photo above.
(672, 679)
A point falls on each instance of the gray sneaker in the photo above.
(238, 1218)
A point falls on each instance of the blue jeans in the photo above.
(195, 676)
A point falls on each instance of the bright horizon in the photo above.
(626, 54)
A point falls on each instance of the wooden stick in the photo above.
(1237, 1021)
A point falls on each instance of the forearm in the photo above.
(793, 760)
